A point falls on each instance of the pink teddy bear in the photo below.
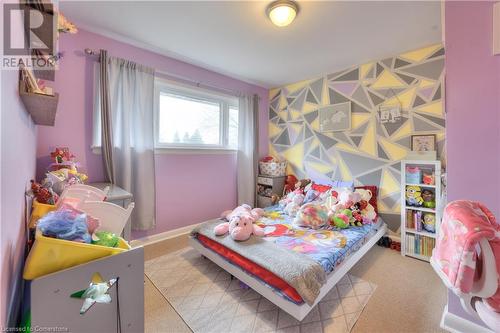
(241, 223)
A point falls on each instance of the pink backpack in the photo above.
(467, 253)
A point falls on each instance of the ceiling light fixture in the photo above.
(282, 12)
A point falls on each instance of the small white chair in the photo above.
(112, 217)
(83, 193)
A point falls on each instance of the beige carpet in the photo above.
(208, 300)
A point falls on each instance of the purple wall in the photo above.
(473, 108)
(18, 167)
(190, 188)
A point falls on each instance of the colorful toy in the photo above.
(357, 218)
(105, 238)
(290, 182)
(312, 216)
(43, 193)
(428, 178)
(428, 199)
(64, 224)
(414, 196)
(429, 222)
(341, 220)
(413, 175)
(366, 208)
(241, 223)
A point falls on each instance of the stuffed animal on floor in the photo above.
(241, 223)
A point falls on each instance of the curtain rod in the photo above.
(184, 79)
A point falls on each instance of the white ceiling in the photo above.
(237, 39)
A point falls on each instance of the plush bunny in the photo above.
(241, 223)
(367, 210)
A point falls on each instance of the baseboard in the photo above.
(455, 324)
(148, 240)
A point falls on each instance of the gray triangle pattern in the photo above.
(388, 62)
(283, 138)
(392, 199)
(361, 129)
(431, 69)
(336, 98)
(311, 116)
(438, 53)
(423, 126)
(380, 130)
(438, 121)
(375, 99)
(356, 108)
(380, 69)
(341, 136)
(358, 164)
(372, 178)
(405, 142)
(310, 98)
(274, 104)
(317, 89)
(315, 152)
(360, 96)
(381, 153)
(298, 103)
(356, 139)
(272, 114)
(407, 79)
(437, 94)
(326, 141)
(307, 132)
(349, 76)
(396, 166)
(400, 63)
(418, 101)
(391, 128)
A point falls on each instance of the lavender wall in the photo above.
(473, 106)
(18, 167)
(190, 188)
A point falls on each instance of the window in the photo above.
(193, 118)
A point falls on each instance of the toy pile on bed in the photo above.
(63, 220)
(311, 205)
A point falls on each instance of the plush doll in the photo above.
(241, 223)
(342, 219)
(346, 199)
(290, 182)
(414, 196)
(312, 215)
(366, 208)
(357, 218)
(293, 207)
(428, 199)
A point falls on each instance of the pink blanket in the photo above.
(464, 224)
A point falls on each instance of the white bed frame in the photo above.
(297, 311)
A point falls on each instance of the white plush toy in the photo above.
(369, 210)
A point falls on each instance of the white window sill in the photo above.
(183, 151)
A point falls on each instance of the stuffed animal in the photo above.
(429, 222)
(290, 182)
(414, 196)
(293, 207)
(241, 223)
(357, 218)
(346, 199)
(312, 215)
(367, 210)
(428, 199)
(342, 219)
(43, 193)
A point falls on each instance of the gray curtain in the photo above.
(248, 148)
(105, 111)
(128, 128)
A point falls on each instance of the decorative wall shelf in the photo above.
(42, 108)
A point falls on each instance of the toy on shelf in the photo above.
(429, 222)
(413, 175)
(428, 178)
(428, 198)
(43, 193)
(414, 196)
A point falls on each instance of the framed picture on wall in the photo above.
(335, 118)
(423, 142)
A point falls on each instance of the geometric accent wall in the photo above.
(370, 152)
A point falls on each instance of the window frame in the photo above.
(225, 102)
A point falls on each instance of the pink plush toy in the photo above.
(241, 223)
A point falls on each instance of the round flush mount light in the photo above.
(282, 12)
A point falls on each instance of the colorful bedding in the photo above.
(328, 246)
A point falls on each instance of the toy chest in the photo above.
(49, 255)
(274, 169)
(413, 175)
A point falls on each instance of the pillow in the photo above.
(320, 188)
(374, 190)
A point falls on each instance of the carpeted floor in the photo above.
(409, 295)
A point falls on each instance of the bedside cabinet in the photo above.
(267, 186)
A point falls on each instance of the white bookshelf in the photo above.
(419, 243)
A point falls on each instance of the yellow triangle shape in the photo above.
(388, 185)
(368, 144)
(283, 102)
(321, 168)
(403, 131)
(295, 114)
(295, 155)
(420, 54)
(346, 147)
(397, 208)
(424, 83)
(387, 80)
(273, 92)
(394, 151)
(273, 130)
(435, 108)
(314, 144)
(325, 100)
(358, 119)
(296, 86)
(364, 69)
(405, 98)
(381, 207)
(315, 124)
(344, 171)
(283, 114)
(308, 107)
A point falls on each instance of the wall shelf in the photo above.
(42, 108)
